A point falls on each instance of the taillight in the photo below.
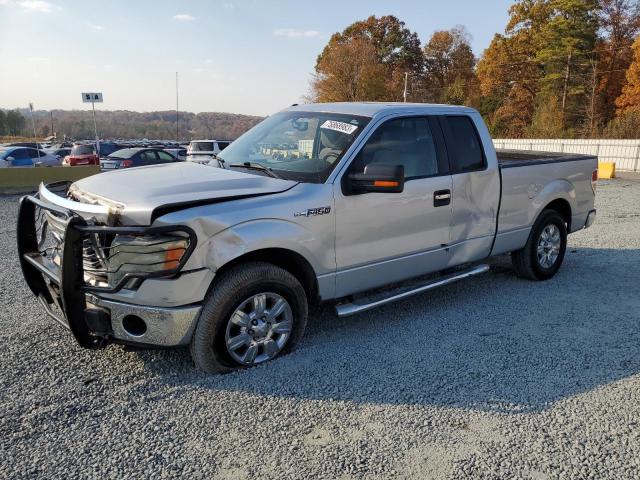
(594, 180)
(126, 163)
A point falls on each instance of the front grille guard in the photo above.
(65, 286)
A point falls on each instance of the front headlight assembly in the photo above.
(142, 256)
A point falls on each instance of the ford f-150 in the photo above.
(360, 204)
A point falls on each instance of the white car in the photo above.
(204, 151)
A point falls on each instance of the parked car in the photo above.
(82, 154)
(25, 144)
(136, 157)
(179, 153)
(107, 148)
(27, 157)
(59, 153)
(408, 197)
(204, 151)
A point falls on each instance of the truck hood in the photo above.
(137, 196)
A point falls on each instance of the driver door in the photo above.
(388, 237)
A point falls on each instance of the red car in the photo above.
(82, 155)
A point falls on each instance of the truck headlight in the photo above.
(142, 255)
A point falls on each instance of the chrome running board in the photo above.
(367, 303)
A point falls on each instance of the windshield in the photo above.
(201, 146)
(302, 146)
(124, 153)
(82, 150)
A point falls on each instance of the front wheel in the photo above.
(542, 255)
(253, 313)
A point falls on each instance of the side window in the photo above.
(165, 157)
(403, 141)
(148, 156)
(463, 144)
(223, 145)
(21, 154)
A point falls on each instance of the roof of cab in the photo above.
(372, 109)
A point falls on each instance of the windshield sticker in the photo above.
(339, 127)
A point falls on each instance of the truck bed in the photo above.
(521, 158)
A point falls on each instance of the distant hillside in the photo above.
(78, 124)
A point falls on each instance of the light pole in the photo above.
(177, 114)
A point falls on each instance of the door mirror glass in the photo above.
(378, 178)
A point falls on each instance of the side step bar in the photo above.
(367, 303)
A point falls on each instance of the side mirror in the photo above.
(378, 178)
(10, 159)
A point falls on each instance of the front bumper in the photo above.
(80, 306)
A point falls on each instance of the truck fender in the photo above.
(253, 235)
(559, 189)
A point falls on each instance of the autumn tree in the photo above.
(449, 68)
(395, 48)
(349, 71)
(509, 73)
(630, 97)
(619, 23)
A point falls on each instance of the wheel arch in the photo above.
(288, 260)
(563, 207)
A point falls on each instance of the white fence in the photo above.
(624, 153)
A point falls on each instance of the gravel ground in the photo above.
(493, 377)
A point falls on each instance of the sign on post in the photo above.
(92, 97)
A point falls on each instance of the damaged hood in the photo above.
(131, 196)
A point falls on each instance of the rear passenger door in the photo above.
(387, 237)
(475, 193)
(164, 157)
(148, 157)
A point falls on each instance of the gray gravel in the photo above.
(494, 377)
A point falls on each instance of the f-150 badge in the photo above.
(312, 212)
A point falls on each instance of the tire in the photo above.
(238, 293)
(527, 263)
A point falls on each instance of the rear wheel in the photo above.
(542, 255)
(253, 313)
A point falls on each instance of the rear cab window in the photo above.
(464, 147)
(82, 150)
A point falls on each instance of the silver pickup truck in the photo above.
(318, 203)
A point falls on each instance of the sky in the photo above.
(241, 56)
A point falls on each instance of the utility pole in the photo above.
(406, 80)
(177, 114)
(567, 73)
(33, 124)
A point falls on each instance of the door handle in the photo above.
(441, 198)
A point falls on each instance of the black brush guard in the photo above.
(65, 286)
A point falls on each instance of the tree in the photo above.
(570, 35)
(625, 125)
(619, 23)
(393, 46)
(630, 97)
(449, 67)
(3, 122)
(350, 72)
(544, 54)
(15, 122)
